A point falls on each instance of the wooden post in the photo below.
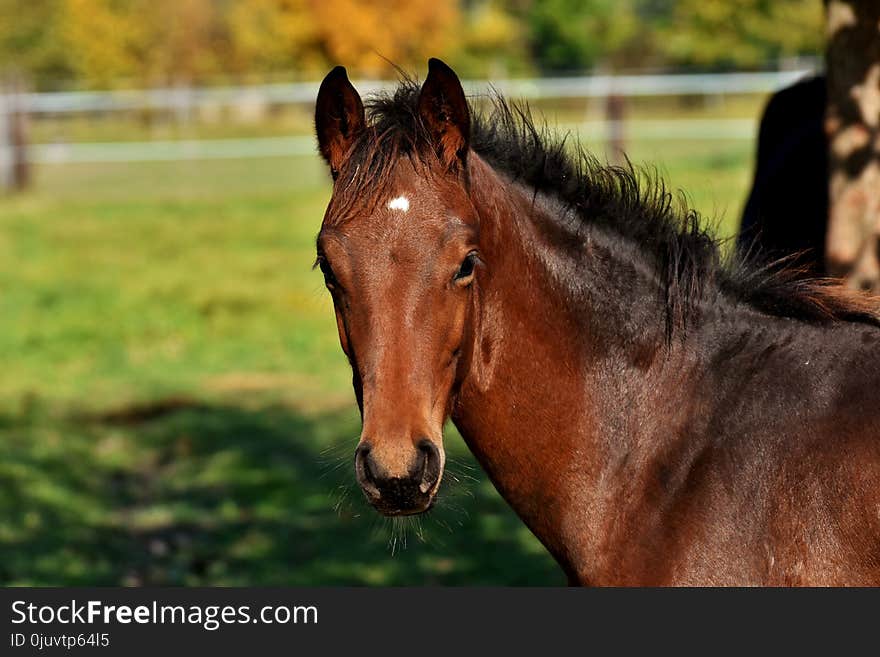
(615, 113)
(5, 140)
(852, 126)
(14, 166)
(20, 164)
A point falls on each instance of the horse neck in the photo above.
(557, 379)
(588, 418)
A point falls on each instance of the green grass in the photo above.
(174, 406)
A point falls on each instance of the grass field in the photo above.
(174, 406)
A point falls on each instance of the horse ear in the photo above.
(444, 112)
(339, 118)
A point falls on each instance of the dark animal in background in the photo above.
(653, 415)
(786, 215)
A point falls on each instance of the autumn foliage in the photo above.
(106, 43)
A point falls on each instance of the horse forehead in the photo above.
(394, 239)
(403, 238)
(408, 191)
(404, 214)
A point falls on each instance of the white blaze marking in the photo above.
(400, 203)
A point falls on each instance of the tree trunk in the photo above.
(853, 129)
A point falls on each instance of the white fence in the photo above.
(185, 101)
(305, 92)
(218, 149)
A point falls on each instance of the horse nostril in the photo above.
(365, 470)
(866, 284)
(430, 465)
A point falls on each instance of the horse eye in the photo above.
(467, 267)
(329, 277)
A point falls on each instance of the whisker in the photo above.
(461, 463)
(442, 523)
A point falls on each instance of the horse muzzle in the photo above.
(405, 493)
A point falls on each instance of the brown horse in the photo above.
(653, 414)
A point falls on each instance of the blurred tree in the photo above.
(100, 36)
(177, 41)
(569, 35)
(30, 40)
(275, 35)
(367, 36)
(493, 42)
(745, 33)
(113, 42)
(149, 41)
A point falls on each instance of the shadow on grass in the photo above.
(205, 494)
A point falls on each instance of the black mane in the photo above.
(625, 201)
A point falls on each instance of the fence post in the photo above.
(615, 114)
(5, 140)
(14, 166)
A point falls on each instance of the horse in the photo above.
(786, 213)
(655, 412)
